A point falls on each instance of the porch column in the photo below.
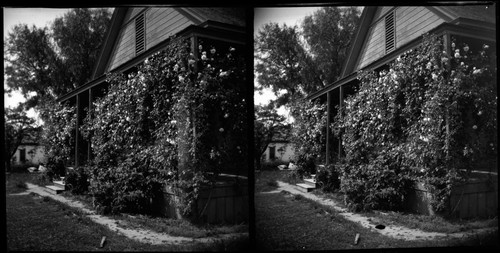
(89, 113)
(77, 130)
(328, 122)
(447, 48)
(341, 108)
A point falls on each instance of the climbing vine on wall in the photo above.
(178, 119)
(429, 117)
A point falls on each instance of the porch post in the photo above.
(341, 108)
(328, 122)
(77, 130)
(447, 45)
(89, 114)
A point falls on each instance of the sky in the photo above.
(282, 15)
(39, 17)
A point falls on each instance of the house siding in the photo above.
(161, 23)
(288, 155)
(163, 19)
(374, 46)
(35, 154)
(411, 22)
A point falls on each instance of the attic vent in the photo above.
(139, 34)
(390, 36)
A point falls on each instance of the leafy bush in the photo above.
(77, 180)
(328, 178)
(293, 177)
(424, 119)
(58, 133)
(308, 135)
(44, 178)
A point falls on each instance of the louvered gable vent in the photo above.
(390, 36)
(140, 42)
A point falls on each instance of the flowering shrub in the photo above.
(308, 134)
(58, 134)
(427, 118)
(174, 120)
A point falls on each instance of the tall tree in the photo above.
(43, 62)
(29, 64)
(78, 36)
(268, 124)
(18, 126)
(328, 33)
(280, 62)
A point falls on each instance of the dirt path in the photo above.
(397, 232)
(141, 235)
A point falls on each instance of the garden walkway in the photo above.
(141, 235)
(397, 232)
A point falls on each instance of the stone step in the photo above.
(60, 184)
(310, 181)
(54, 189)
(305, 187)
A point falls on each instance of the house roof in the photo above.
(232, 19)
(477, 16)
(475, 12)
(232, 16)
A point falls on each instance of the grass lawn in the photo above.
(40, 223)
(288, 222)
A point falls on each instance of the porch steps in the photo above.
(308, 185)
(57, 187)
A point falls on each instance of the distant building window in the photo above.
(272, 153)
(140, 36)
(390, 34)
(22, 155)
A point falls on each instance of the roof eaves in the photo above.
(107, 47)
(190, 14)
(354, 50)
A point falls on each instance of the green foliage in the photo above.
(295, 61)
(308, 134)
(49, 62)
(328, 178)
(79, 44)
(78, 180)
(58, 133)
(328, 33)
(44, 178)
(280, 61)
(174, 120)
(423, 119)
(28, 58)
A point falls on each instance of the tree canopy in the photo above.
(328, 33)
(295, 61)
(43, 62)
